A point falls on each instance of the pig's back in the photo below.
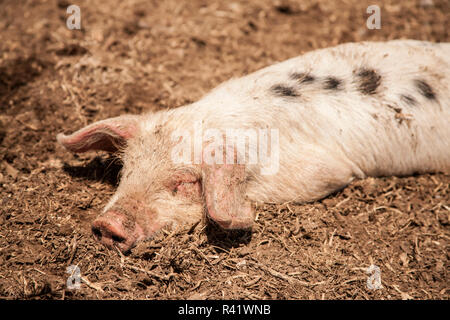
(355, 110)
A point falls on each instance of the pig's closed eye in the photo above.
(188, 189)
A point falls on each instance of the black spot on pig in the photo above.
(408, 99)
(302, 77)
(332, 83)
(368, 81)
(425, 89)
(284, 91)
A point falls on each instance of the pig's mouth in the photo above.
(113, 229)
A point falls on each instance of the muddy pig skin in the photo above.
(310, 125)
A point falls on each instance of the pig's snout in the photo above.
(115, 229)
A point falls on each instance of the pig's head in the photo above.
(154, 192)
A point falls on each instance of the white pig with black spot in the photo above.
(351, 111)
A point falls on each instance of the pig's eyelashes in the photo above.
(181, 186)
(187, 189)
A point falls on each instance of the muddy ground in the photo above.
(133, 56)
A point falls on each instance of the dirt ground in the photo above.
(132, 56)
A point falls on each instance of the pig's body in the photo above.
(352, 111)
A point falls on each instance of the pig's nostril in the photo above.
(108, 232)
(97, 233)
(117, 238)
(113, 230)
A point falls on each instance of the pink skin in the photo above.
(105, 135)
(127, 222)
(224, 190)
(224, 196)
(110, 230)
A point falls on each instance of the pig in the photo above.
(315, 123)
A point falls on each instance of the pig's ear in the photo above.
(224, 188)
(108, 135)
